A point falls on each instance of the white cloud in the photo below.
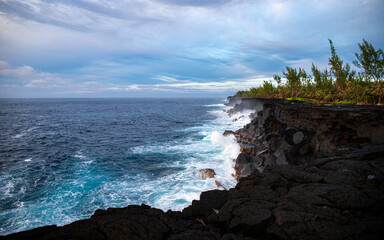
(212, 86)
(170, 79)
(31, 77)
(20, 72)
(120, 45)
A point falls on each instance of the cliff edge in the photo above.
(305, 172)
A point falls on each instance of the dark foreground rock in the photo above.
(343, 199)
(340, 200)
(306, 173)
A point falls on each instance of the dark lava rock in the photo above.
(244, 165)
(335, 201)
(232, 101)
(206, 173)
(228, 132)
(298, 137)
(245, 104)
(301, 133)
(209, 201)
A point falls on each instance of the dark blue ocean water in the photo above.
(61, 159)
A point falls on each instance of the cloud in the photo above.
(173, 45)
(77, 15)
(176, 85)
(196, 3)
(19, 72)
(29, 77)
(170, 79)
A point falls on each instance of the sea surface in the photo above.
(61, 159)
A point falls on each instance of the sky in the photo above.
(172, 48)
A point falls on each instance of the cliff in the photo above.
(320, 176)
(296, 133)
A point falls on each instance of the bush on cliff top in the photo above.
(339, 84)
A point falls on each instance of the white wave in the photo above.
(24, 133)
(8, 188)
(215, 105)
(20, 135)
(212, 150)
(230, 149)
(176, 189)
(79, 154)
(205, 147)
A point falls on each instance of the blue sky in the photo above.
(171, 48)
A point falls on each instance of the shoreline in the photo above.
(303, 190)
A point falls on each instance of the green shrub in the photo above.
(338, 85)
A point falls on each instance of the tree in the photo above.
(317, 76)
(295, 79)
(370, 61)
(341, 72)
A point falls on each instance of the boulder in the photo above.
(210, 200)
(280, 157)
(243, 162)
(206, 173)
(298, 137)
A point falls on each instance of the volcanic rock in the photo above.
(206, 173)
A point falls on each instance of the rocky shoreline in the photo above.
(304, 172)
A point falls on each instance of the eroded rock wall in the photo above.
(295, 133)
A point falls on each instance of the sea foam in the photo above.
(158, 172)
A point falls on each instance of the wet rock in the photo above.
(245, 104)
(246, 170)
(242, 160)
(243, 163)
(258, 160)
(298, 137)
(218, 184)
(206, 173)
(249, 148)
(280, 158)
(253, 115)
(228, 132)
(270, 160)
(232, 101)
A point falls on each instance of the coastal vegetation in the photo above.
(338, 84)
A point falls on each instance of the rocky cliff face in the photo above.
(320, 176)
(304, 134)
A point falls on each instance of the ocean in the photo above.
(61, 159)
